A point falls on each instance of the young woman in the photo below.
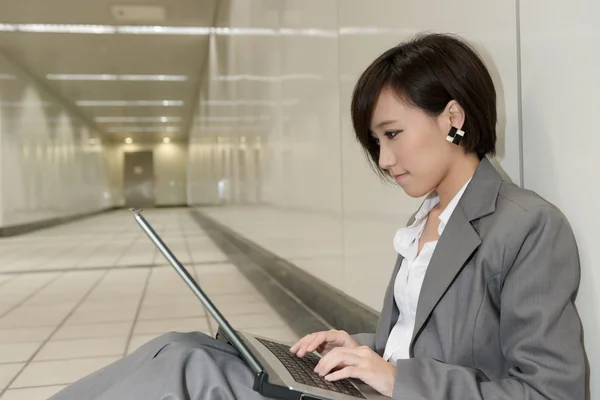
(480, 303)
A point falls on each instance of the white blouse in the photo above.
(409, 280)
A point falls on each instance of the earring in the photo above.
(455, 135)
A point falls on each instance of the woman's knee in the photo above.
(173, 337)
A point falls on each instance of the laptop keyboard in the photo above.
(302, 369)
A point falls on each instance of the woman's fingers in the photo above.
(339, 357)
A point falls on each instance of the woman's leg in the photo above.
(175, 366)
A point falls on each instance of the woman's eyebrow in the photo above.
(385, 123)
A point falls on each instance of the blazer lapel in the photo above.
(457, 243)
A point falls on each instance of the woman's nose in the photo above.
(386, 158)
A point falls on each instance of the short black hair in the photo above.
(429, 71)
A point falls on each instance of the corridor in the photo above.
(79, 296)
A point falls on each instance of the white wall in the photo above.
(170, 171)
(287, 91)
(561, 97)
(47, 167)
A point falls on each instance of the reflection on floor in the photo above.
(77, 297)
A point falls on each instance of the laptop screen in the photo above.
(230, 333)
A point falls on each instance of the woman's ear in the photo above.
(455, 114)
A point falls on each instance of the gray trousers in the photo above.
(174, 366)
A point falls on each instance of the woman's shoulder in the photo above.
(526, 208)
(513, 196)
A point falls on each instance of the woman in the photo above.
(480, 304)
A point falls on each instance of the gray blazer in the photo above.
(495, 317)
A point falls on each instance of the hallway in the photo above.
(79, 296)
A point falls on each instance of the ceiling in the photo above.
(40, 54)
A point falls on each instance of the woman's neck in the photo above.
(455, 179)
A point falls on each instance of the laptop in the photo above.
(278, 373)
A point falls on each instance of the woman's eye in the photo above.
(391, 134)
(375, 140)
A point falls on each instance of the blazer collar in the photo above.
(480, 196)
(458, 241)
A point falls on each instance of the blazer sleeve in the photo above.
(540, 331)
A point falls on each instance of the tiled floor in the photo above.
(77, 297)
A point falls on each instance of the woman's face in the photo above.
(413, 146)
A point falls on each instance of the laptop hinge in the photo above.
(260, 380)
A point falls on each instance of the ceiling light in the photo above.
(24, 104)
(233, 119)
(129, 103)
(259, 78)
(374, 30)
(238, 102)
(112, 77)
(93, 141)
(244, 31)
(105, 29)
(128, 140)
(287, 102)
(142, 77)
(163, 30)
(243, 139)
(166, 140)
(137, 119)
(181, 30)
(308, 32)
(231, 128)
(58, 28)
(143, 129)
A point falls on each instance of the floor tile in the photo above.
(109, 305)
(180, 299)
(56, 310)
(137, 341)
(106, 329)
(283, 334)
(214, 268)
(12, 322)
(170, 325)
(245, 321)
(116, 315)
(100, 301)
(234, 299)
(17, 352)
(5, 278)
(230, 289)
(98, 329)
(37, 393)
(62, 372)
(81, 348)
(21, 335)
(7, 372)
(170, 312)
(259, 307)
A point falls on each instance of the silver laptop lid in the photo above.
(189, 280)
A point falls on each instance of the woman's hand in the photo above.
(361, 363)
(323, 342)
